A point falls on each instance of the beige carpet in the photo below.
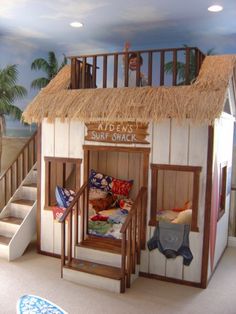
(40, 275)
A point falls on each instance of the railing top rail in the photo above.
(72, 204)
(135, 51)
(142, 191)
(21, 151)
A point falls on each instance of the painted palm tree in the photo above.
(180, 66)
(9, 92)
(50, 67)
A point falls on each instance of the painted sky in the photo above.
(31, 28)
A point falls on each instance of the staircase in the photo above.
(18, 219)
(18, 200)
(97, 262)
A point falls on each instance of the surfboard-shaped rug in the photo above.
(28, 304)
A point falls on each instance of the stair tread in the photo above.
(23, 202)
(12, 220)
(95, 269)
(102, 244)
(4, 240)
(31, 185)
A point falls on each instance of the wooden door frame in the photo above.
(145, 151)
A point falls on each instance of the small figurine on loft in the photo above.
(133, 61)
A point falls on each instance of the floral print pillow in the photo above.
(100, 181)
(64, 196)
(109, 184)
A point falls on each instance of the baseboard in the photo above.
(231, 241)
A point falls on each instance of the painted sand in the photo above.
(11, 146)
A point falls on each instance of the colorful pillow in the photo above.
(102, 203)
(126, 203)
(100, 181)
(121, 187)
(64, 196)
(96, 193)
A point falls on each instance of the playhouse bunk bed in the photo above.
(164, 143)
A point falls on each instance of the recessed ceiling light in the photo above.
(215, 8)
(76, 24)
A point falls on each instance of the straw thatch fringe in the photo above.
(202, 101)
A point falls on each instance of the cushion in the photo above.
(126, 203)
(100, 181)
(64, 196)
(102, 203)
(95, 193)
(184, 217)
(121, 187)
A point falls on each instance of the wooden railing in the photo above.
(105, 70)
(12, 177)
(76, 207)
(132, 241)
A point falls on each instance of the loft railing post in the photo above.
(104, 74)
(123, 262)
(150, 68)
(115, 70)
(187, 66)
(174, 77)
(138, 70)
(162, 65)
(94, 72)
(126, 69)
(62, 247)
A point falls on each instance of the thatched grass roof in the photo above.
(203, 101)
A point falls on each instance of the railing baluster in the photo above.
(115, 70)
(123, 262)
(174, 78)
(104, 75)
(69, 243)
(150, 68)
(187, 66)
(84, 72)
(62, 247)
(126, 69)
(94, 72)
(129, 257)
(74, 81)
(138, 81)
(162, 64)
(76, 223)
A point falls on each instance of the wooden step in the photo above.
(23, 202)
(12, 220)
(102, 244)
(95, 269)
(30, 185)
(4, 240)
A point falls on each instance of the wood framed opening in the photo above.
(125, 163)
(222, 189)
(175, 194)
(64, 172)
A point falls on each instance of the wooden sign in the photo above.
(124, 132)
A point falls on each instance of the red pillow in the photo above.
(121, 187)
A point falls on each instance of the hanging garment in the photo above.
(172, 240)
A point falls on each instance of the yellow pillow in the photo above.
(184, 217)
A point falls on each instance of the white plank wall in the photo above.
(58, 140)
(180, 145)
(48, 149)
(224, 149)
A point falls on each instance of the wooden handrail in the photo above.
(12, 177)
(154, 70)
(131, 51)
(72, 204)
(18, 155)
(132, 239)
(132, 210)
